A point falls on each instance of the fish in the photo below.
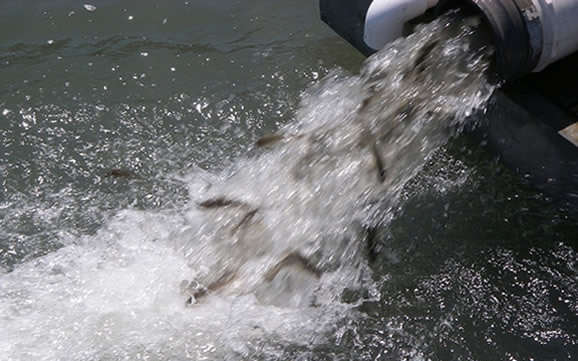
(371, 243)
(221, 202)
(195, 291)
(246, 218)
(120, 173)
(269, 140)
(293, 259)
(272, 139)
(423, 53)
(379, 164)
(241, 243)
(368, 140)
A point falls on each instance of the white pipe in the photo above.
(551, 25)
(559, 20)
(385, 19)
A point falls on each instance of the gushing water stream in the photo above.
(259, 259)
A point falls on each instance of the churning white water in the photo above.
(258, 260)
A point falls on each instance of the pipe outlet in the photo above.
(385, 19)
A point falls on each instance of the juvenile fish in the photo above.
(379, 164)
(269, 140)
(120, 173)
(294, 259)
(419, 66)
(246, 218)
(274, 138)
(195, 291)
(221, 202)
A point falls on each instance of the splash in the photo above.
(335, 175)
(261, 257)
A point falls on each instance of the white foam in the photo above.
(115, 295)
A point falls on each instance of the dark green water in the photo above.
(475, 266)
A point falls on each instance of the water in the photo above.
(470, 264)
